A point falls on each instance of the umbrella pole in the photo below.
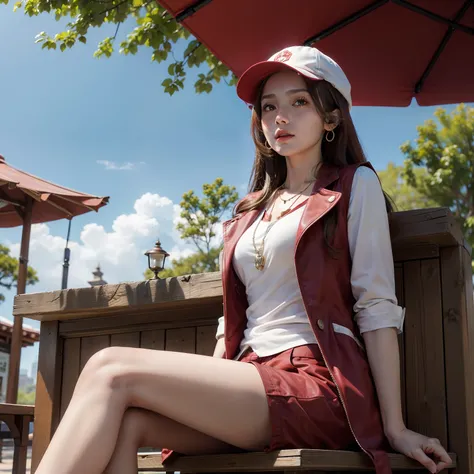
(17, 336)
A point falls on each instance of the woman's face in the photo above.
(290, 121)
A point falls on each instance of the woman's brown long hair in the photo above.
(269, 169)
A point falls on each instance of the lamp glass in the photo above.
(157, 261)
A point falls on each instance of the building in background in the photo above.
(97, 280)
(34, 371)
(29, 337)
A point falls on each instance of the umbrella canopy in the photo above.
(50, 201)
(24, 200)
(391, 50)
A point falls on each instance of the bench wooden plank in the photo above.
(291, 459)
(435, 226)
(48, 389)
(152, 339)
(125, 339)
(91, 345)
(13, 409)
(424, 350)
(181, 340)
(71, 368)
(122, 298)
(206, 340)
(458, 335)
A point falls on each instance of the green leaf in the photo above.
(444, 148)
(9, 271)
(152, 28)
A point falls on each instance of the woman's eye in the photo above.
(301, 101)
(267, 107)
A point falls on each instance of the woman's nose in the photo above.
(281, 118)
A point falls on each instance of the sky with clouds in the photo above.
(105, 127)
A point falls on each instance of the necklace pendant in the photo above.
(259, 261)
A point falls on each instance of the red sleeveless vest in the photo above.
(326, 290)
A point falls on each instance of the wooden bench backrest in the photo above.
(433, 281)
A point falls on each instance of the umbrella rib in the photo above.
(442, 45)
(191, 10)
(433, 16)
(346, 21)
(78, 203)
(4, 197)
(36, 197)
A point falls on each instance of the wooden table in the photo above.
(433, 281)
(18, 419)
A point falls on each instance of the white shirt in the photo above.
(276, 317)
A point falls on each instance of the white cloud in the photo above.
(119, 250)
(113, 166)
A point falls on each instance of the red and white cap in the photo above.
(308, 61)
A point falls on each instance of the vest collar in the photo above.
(319, 203)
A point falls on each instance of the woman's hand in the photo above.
(427, 451)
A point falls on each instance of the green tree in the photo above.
(199, 217)
(26, 397)
(154, 28)
(9, 271)
(445, 148)
(403, 195)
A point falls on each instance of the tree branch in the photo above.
(116, 31)
(114, 7)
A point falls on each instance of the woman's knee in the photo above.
(105, 368)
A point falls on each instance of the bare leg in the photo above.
(144, 428)
(223, 399)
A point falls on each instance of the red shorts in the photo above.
(305, 410)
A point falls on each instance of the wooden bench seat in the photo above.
(433, 278)
(17, 418)
(284, 460)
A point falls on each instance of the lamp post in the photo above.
(156, 259)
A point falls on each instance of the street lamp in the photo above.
(156, 259)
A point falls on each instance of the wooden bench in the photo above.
(288, 461)
(433, 281)
(18, 419)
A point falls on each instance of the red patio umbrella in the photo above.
(391, 50)
(24, 200)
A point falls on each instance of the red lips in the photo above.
(282, 133)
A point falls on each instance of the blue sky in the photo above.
(64, 115)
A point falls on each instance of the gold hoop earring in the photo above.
(267, 146)
(333, 136)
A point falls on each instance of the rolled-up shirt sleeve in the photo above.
(220, 328)
(372, 276)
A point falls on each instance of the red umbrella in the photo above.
(24, 200)
(391, 50)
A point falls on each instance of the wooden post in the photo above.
(17, 336)
(48, 390)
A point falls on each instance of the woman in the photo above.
(310, 312)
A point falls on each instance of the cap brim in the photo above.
(250, 80)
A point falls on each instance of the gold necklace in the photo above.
(260, 259)
(293, 197)
(286, 211)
